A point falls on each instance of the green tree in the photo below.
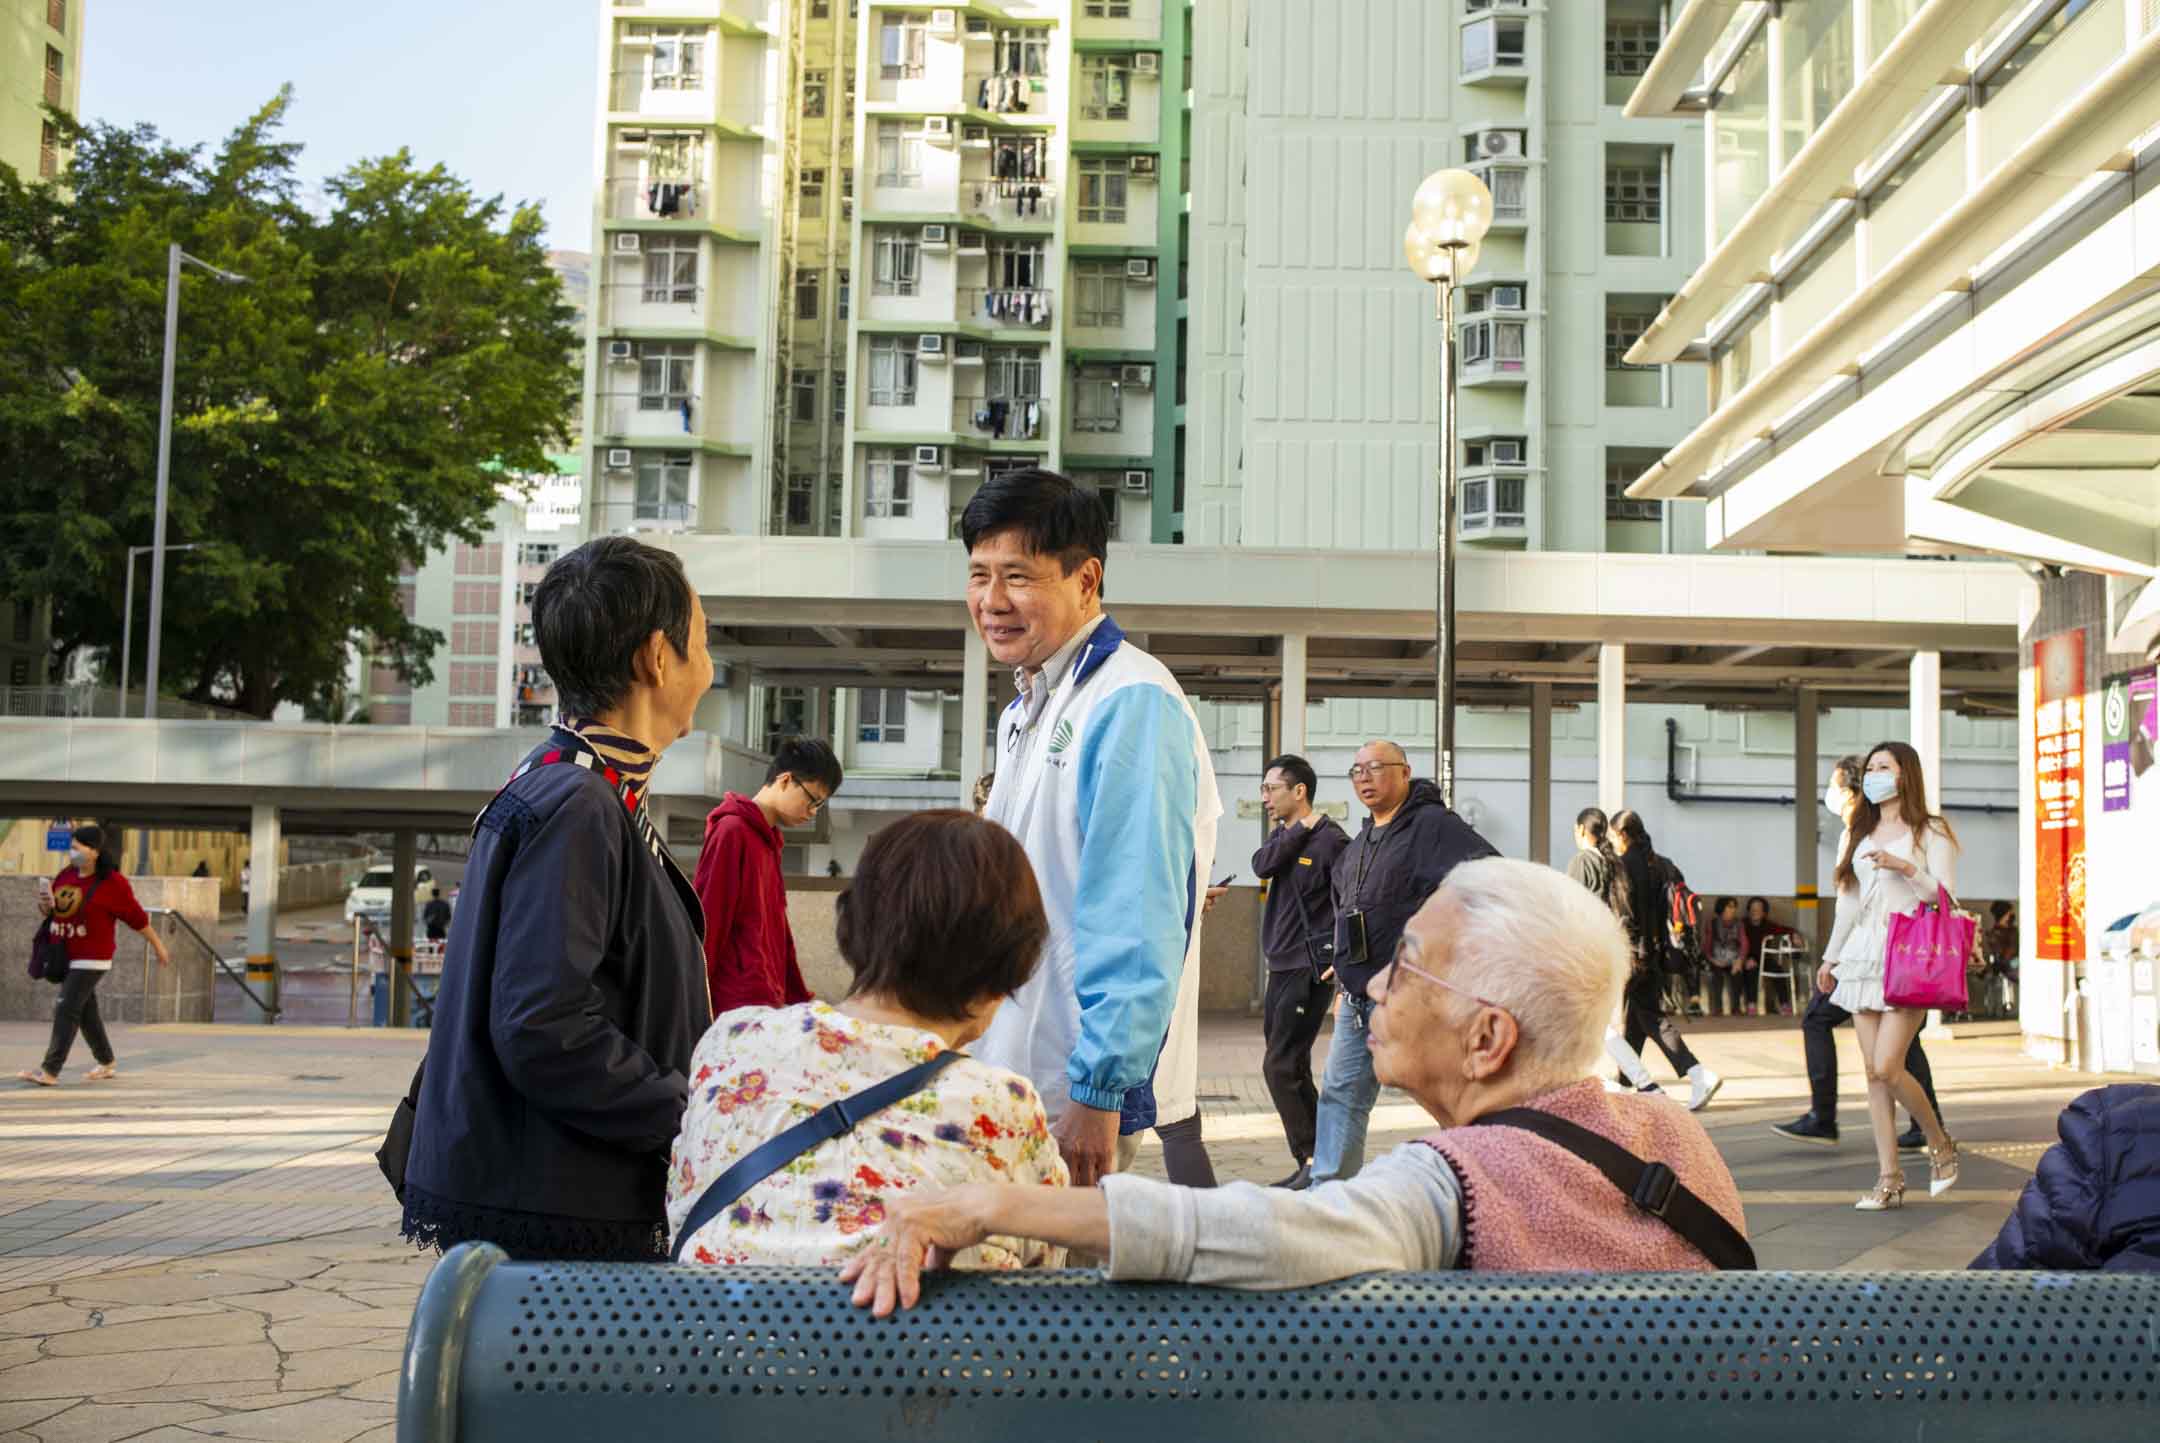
(351, 409)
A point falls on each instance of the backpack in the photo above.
(1683, 912)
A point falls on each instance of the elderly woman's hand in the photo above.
(921, 1231)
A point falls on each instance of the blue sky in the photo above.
(500, 91)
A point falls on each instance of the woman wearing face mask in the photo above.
(1896, 854)
(87, 899)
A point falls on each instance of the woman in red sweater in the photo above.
(87, 900)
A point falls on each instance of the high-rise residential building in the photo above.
(41, 66)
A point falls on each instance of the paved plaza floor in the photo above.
(203, 1247)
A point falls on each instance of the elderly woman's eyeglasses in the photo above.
(1359, 771)
(1402, 961)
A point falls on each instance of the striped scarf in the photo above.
(632, 760)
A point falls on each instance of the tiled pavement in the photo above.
(203, 1248)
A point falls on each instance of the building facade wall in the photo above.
(41, 64)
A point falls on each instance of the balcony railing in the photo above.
(1009, 202)
(654, 294)
(1001, 419)
(1006, 306)
(620, 518)
(634, 199)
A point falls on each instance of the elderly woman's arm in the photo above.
(1403, 1212)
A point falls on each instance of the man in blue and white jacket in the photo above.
(1103, 775)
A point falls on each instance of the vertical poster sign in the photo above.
(2129, 725)
(2059, 806)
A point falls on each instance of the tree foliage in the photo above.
(352, 408)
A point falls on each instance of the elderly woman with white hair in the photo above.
(1492, 1016)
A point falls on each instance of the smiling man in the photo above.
(1103, 775)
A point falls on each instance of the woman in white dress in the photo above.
(1897, 853)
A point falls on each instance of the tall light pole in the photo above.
(127, 618)
(1449, 216)
(173, 260)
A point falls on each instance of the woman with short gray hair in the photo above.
(1491, 1015)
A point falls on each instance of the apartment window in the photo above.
(1014, 373)
(899, 264)
(881, 715)
(482, 560)
(1108, 9)
(526, 589)
(813, 94)
(1108, 496)
(1492, 45)
(1623, 328)
(806, 295)
(474, 638)
(678, 60)
(1634, 194)
(48, 151)
(892, 370)
(538, 553)
(900, 154)
(1098, 403)
(55, 65)
(1630, 45)
(22, 619)
(525, 634)
(19, 672)
(902, 39)
(1621, 469)
(843, 290)
(839, 396)
(471, 714)
(821, 9)
(1102, 189)
(475, 598)
(671, 267)
(801, 501)
(891, 485)
(802, 396)
(56, 14)
(1106, 87)
(1499, 344)
(673, 157)
(663, 486)
(810, 192)
(472, 678)
(1017, 266)
(1099, 293)
(1021, 52)
(664, 375)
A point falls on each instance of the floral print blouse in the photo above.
(759, 1071)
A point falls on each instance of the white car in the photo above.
(371, 895)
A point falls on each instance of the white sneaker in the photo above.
(1703, 1084)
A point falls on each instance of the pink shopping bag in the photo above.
(1924, 961)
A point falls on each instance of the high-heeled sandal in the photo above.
(1889, 1193)
(1943, 1168)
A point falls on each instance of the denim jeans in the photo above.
(1348, 1090)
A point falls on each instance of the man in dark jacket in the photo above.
(1409, 844)
(2093, 1204)
(1297, 936)
(572, 994)
(436, 917)
(749, 947)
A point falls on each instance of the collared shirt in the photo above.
(1036, 690)
(632, 760)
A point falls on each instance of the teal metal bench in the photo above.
(531, 1352)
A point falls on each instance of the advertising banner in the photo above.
(2059, 801)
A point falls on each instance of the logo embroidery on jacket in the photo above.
(1061, 738)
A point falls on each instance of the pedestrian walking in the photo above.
(435, 916)
(1409, 844)
(1596, 867)
(1724, 948)
(1297, 936)
(1818, 1126)
(247, 876)
(1651, 879)
(1105, 777)
(85, 904)
(1898, 855)
(749, 946)
(571, 997)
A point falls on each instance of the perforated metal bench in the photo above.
(535, 1352)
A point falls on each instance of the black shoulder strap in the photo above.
(1651, 1186)
(833, 1120)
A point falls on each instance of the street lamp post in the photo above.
(127, 618)
(1449, 216)
(174, 258)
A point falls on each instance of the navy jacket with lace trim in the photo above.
(572, 995)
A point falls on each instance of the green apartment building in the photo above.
(43, 66)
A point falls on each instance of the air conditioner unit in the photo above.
(621, 352)
(1507, 298)
(1506, 453)
(1143, 165)
(929, 458)
(1147, 62)
(937, 127)
(1500, 145)
(935, 237)
(968, 352)
(619, 458)
(975, 135)
(1140, 378)
(1138, 482)
(973, 243)
(930, 347)
(1140, 268)
(944, 22)
(627, 244)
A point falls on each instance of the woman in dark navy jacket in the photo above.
(2093, 1204)
(573, 986)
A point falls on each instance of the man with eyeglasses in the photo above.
(749, 947)
(1297, 936)
(1410, 842)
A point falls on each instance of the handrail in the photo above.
(216, 956)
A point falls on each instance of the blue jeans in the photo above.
(1348, 1091)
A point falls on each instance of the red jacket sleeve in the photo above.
(118, 898)
(719, 889)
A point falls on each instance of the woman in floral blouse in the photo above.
(942, 924)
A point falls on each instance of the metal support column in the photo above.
(1540, 848)
(1927, 721)
(1290, 736)
(1612, 727)
(263, 855)
(405, 865)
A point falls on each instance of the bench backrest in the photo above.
(534, 1352)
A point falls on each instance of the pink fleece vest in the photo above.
(1530, 1206)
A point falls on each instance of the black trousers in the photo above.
(76, 1008)
(1646, 1018)
(1821, 1019)
(1292, 1016)
(1721, 989)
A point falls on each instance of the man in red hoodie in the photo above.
(749, 950)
